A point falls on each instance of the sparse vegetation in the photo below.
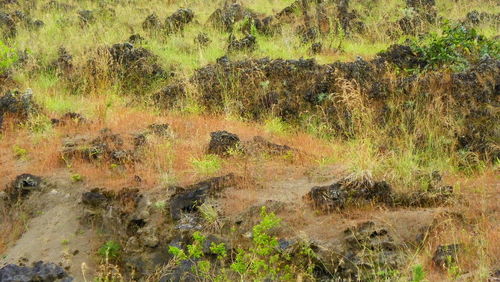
(262, 260)
(207, 165)
(367, 127)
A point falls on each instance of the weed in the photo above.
(160, 205)
(207, 165)
(453, 268)
(289, 156)
(208, 212)
(210, 215)
(110, 250)
(236, 151)
(8, 57)
(418, 273)
(276, 126)
(20, 152)
(76, 177)
(192, 107)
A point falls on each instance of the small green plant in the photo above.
(208, 212)
(8, 57)
(289, 156)
(276, 126)
(20, 152)
(236, 151)
(418, 273)
(192, 107)
(110, 250)
(207, 165)
(210, 216)
(76, 177)
(453, 269)
(65, 242)
(160, 205)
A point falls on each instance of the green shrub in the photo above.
(456, 47)
(110, 250)
(8, 57)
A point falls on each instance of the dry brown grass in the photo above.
(191, 137)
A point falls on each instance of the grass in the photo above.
(276, 126)
(20, 153)
(207, 165)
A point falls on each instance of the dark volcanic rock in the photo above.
(182, 272)
(170, 94)
(403, 57)
(431, 197)
(158, 129)
(7, 25)
(316, 48)
(290, 89)
(86, 17)
(136, 38)
(188, 200)
(259, 144)
(178, 20)
(222, 142)
(39, 272)
(202, 39)
(368, 248)
(95, 198)
(420, 4)
(57, 5)
(475, 18)
(64, 62)
(136, 66)
(18, 104)
(106, 146)
(347, 191)
(226, 17)
(446, 255)
(152, 22)
(23, 185)
(422, 12)
(248, 42)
